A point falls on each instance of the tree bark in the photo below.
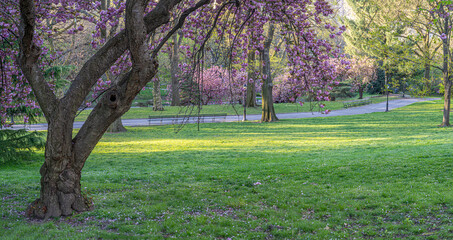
(251, 88)
(268, 111)
(174, 71)
(157, 98)
(116, 127)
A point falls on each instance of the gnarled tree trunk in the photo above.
(61, 193)
(268, 112)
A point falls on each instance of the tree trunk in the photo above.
(157, 98)
(268, 112)
(447, 103)
(61, 193)
(447, 81)
(361, 92)
(174, 71)
(116, 127)
(251, 88)
(427, 74)
(386, 89)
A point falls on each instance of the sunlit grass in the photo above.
(380, 175)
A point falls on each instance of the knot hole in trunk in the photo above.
(112, 98)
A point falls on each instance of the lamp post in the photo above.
(244, 88)
(404, 86)
(387, 103)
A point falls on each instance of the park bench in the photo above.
(349, 104)
(175, 119)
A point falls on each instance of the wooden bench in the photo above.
(176, 119)
(349, 104)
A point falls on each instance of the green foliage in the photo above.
(377, 87)
(376, 33)
(32, 113)
(146, 94)
(421, 87)
(57, 75)
(17, 144)
(189, 92)
(380, 176)
(343, 90)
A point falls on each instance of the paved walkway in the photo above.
(371, 108)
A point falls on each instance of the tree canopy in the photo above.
(140, 31)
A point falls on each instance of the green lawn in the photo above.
(380, 175)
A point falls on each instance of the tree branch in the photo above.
(118, 99)
(105, 57)
(28, 59)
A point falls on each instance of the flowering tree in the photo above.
(213, 85)
(147, 26)
(217, 85)
(15, 93)
(253, 28)
(361, 73)
(284, 90)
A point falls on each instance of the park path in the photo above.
(370, 108)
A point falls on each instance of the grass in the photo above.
(380, 175)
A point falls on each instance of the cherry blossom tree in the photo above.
(361, 73)
(285, 90)
(133, 51)
(213, 85)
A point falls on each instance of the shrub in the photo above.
(18, 144)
